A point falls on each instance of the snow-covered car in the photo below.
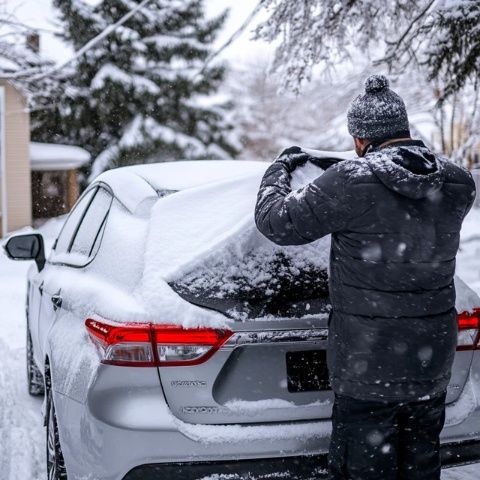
(172, 340)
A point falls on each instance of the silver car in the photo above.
(130, 396)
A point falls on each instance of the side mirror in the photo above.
(26, 247)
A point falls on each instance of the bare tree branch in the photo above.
(233, 37)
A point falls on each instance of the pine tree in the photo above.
(136, 97)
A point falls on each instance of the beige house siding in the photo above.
(16, 149)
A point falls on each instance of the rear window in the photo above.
(266, 281)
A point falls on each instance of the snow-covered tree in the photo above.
(442, 37)
(271, 119)
(135, 96)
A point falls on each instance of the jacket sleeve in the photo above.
(303, 216)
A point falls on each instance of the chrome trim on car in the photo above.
(276, 336)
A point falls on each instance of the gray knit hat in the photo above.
(379, 113)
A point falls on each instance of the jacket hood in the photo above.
(409, 169)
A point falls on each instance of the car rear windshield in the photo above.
(266, 281)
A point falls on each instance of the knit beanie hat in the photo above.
(378, 114)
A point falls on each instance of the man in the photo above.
(395, 215)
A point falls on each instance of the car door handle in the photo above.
(57, 301)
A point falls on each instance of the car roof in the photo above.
(135, 184)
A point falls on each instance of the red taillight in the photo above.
(469, 330)
(147, 344)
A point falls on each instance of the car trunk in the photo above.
(268, 371)
(273, 367)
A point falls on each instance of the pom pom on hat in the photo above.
(376, 83)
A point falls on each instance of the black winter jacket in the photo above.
(395, 217)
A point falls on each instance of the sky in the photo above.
(40, 14)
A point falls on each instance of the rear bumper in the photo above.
(460, 453)
(121, 429)
(128, 433)
(119, 452)
(294, 468)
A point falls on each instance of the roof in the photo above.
(50, 156)
(135, 184)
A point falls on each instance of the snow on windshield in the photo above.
(205, 243)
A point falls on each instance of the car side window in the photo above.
(70, 226)
(91, 226)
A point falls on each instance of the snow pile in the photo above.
(220, 434)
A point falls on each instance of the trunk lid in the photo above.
(273, 367)
(255, 377)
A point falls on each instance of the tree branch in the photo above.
(233, 37)
(396, 44)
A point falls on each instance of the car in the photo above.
(171, 340)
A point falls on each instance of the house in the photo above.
(36, 180)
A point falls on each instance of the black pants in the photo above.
(386, 441)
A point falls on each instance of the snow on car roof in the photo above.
(135, 184)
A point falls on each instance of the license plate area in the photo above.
(307, 371)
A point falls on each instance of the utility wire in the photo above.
(90, 44)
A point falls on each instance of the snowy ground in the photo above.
(22, 447)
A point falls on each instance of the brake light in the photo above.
(469, 330)
(149, 345)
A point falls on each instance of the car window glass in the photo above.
(91, 224)
(260, 282)
(70, 226)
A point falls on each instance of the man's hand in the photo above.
(292, 158)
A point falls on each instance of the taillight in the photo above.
(148, 345)
(469, 330)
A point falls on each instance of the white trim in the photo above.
(3, 166)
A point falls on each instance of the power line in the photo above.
(90, 44)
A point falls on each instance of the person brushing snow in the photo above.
(394, 214)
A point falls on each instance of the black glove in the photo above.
(292, 158)
(324, 162)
